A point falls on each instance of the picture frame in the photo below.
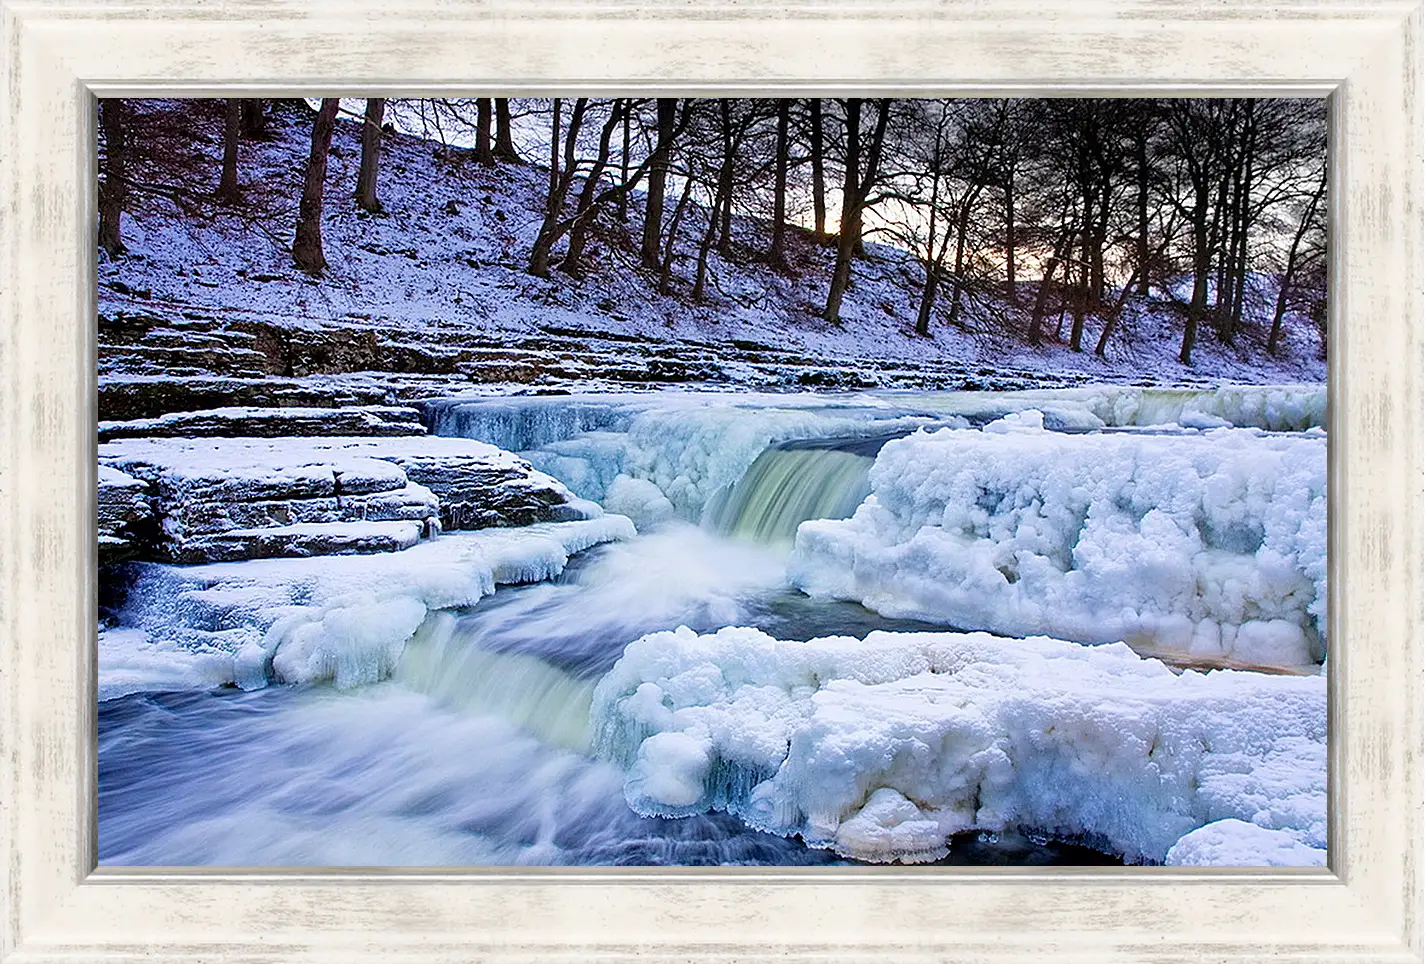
(60, 54)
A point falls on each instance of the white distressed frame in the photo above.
(58, 53)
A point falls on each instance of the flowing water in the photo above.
(476, 751)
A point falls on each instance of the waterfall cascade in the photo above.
(793, 482)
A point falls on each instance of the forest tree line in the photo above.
(1051, 211)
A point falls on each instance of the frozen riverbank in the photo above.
(671, 663)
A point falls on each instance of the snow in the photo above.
(695, 446)
(290, 460)
(692, 447)
(339, 618)
(1236, 843)
(881, 749)
(247, 420)
(1206, 546)
(1281, 408)
(449, 256)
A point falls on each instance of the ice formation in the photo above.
(696, 453)
(1278, 408)
(693, 447)
(1237, 843)
(1205, 546)
(339, 618)
(880, 749)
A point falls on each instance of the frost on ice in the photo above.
(340, 618)
(881, 749)
(1206, 546)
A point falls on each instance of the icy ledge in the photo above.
(341, 618)
(1205, 546)
(881, 749)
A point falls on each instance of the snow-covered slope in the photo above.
(447, 259)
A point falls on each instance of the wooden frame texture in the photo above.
(58, 54)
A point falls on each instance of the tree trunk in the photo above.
(504, 136)
(962, 228)
(1086, 247)
(623, 170)
(115, 189)
(665, 271)
(657, 180)
(370, 154)
(724, 229)
(700, 278)
(254, 117)
(586, 211)
(927, 299)
(1202, 268)
(846, 236)
(1081, 299)
(1100, 241)
(778, 256)
(484, 145)
(818, 173)
(1011, 290)
(932, 262)
(307, 248)
(1141, 148)
(1279, 312)
(1041, 297)
(232, 128)
(559, 182)
(1244, 221)
(857, 186)
(549, 202)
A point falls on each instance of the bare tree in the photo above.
(854, 191)
(657, 179)
(228, 184)
(818, 172)
(254, 117)
(778, 255)
(504, 138)
(114, 191)
(1308, 220)
(371, 132)
(484, 146)
(307, 247)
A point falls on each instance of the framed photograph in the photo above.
(531, 482)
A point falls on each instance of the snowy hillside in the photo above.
(446, 262)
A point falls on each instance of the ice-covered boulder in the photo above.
(343, 618)
(248, 422)
(124, 515)
(224, 499)
(881, 749)
(1201, 546)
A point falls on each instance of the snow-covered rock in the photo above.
(248, 422)
(1278, 408)
(343, 618)
(124, 397)
(1204, 546)
(881, 749)
(123, 510)
(223, 499)
(1237, 843)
